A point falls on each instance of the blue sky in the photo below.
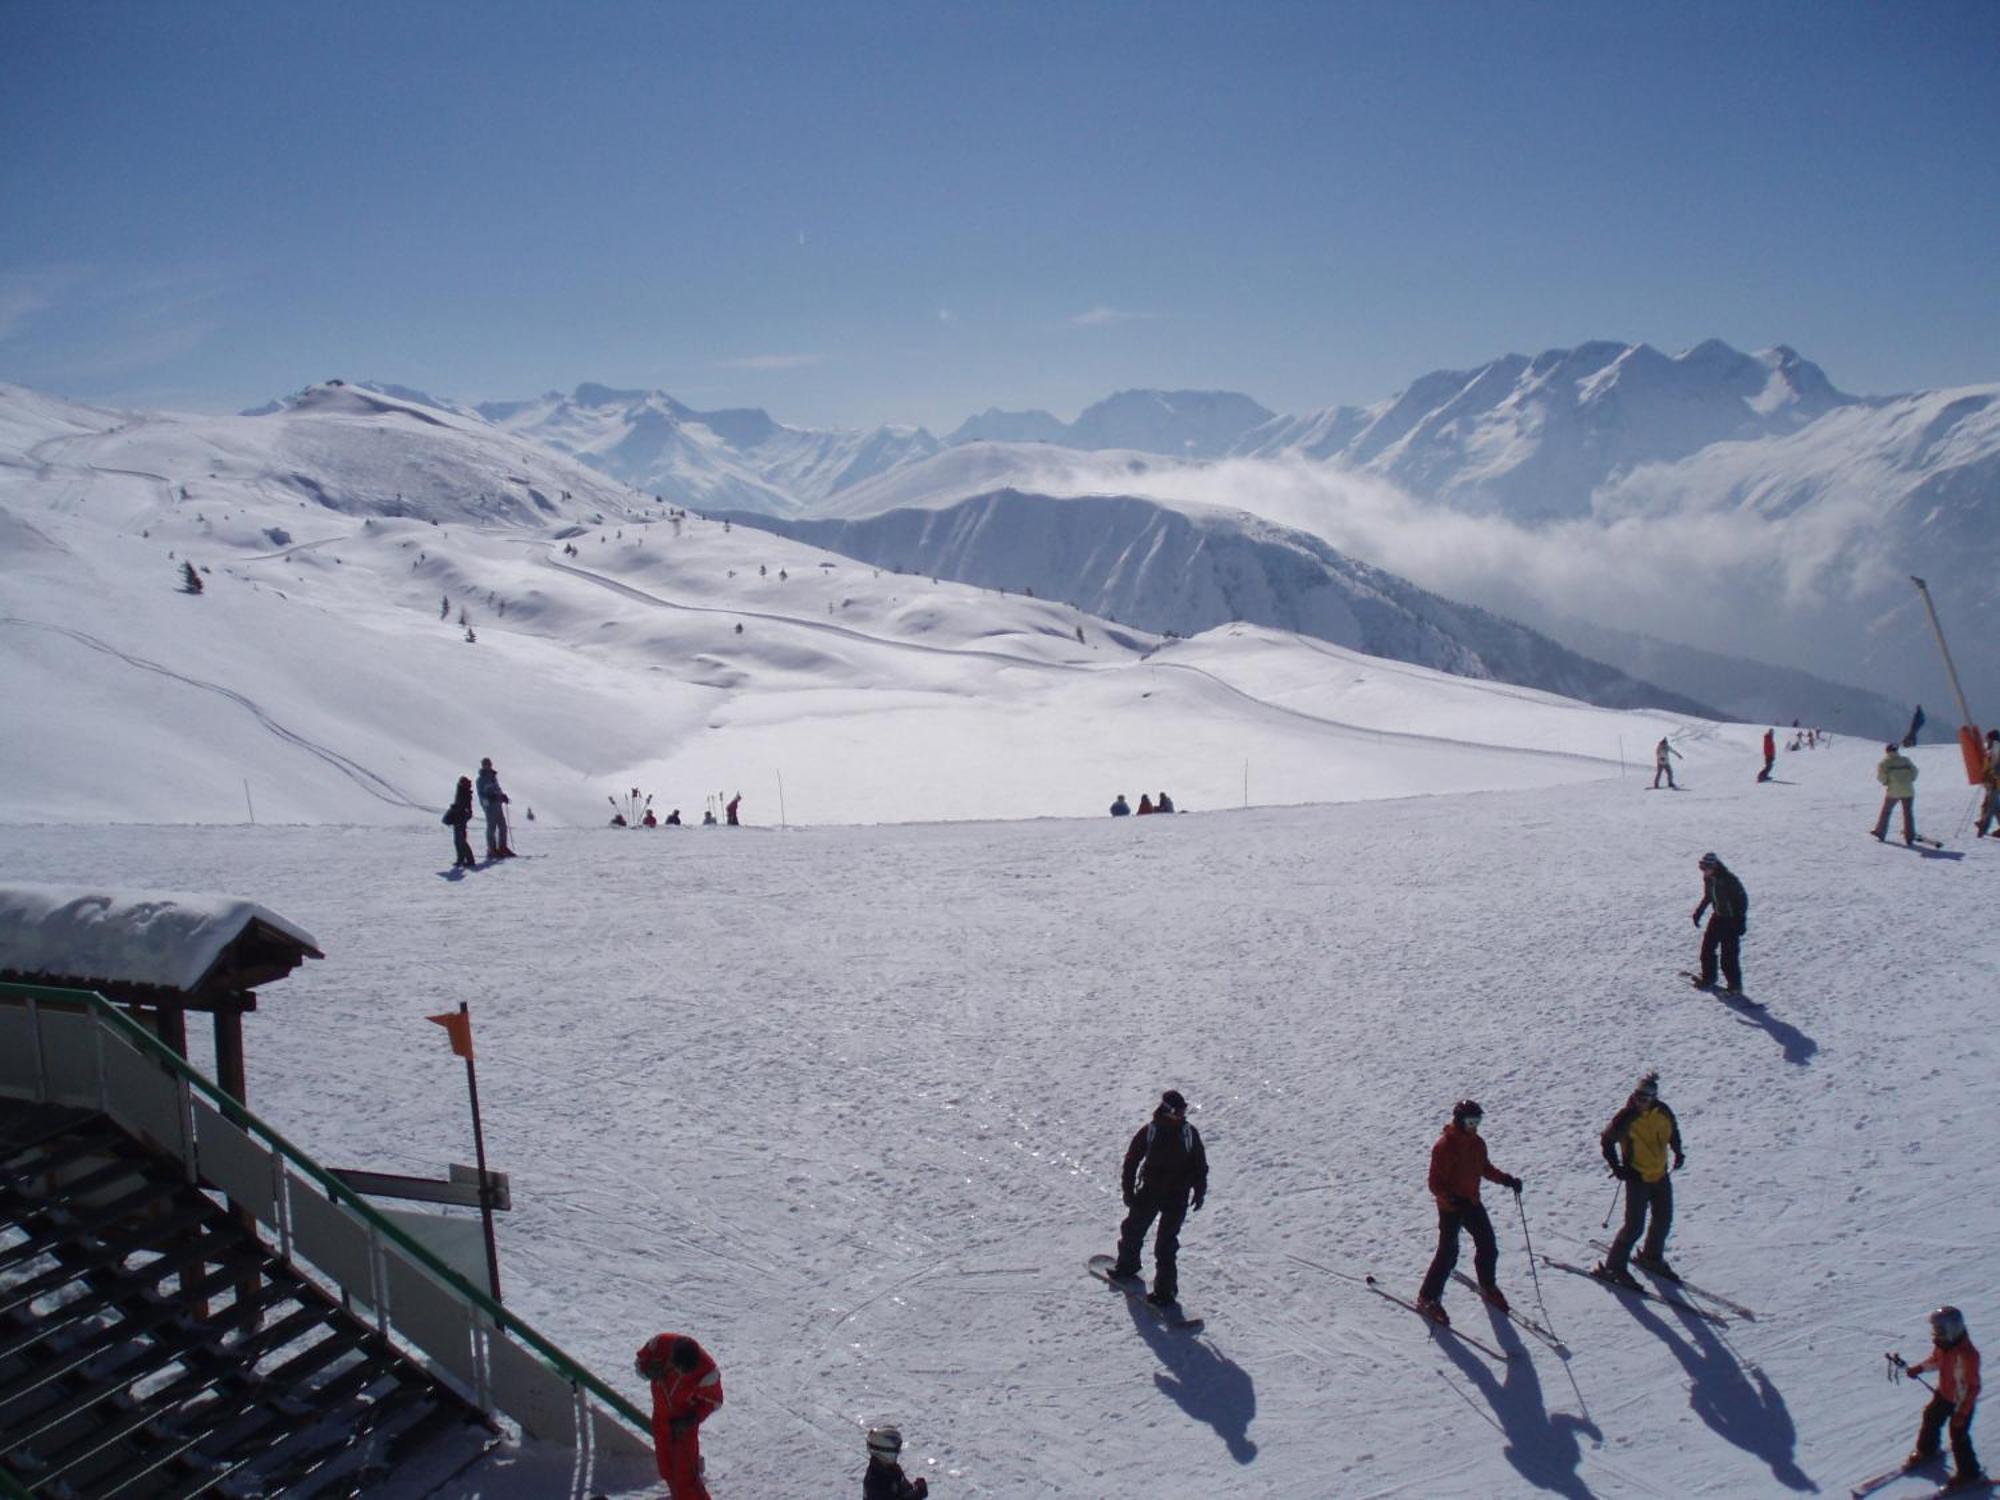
(854, 213)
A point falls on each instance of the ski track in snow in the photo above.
(849, 1104)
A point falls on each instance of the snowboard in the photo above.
(1727, 997)
(1135, 1292)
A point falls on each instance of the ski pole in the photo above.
(1529, 1241)
(1614, 1204)
(1898, 1371)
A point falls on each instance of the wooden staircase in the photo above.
(152, 1346)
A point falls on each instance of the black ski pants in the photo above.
(460, 847)
(1471, 1217)
(1172, 1213)
(1720, 940)
(1644, 1200)
(1964, 1461)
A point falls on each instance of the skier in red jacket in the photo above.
(687, 1387)
(1770, 755)
(1957, 1397)
(1458, 1164)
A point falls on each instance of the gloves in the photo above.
(1695, 918)
(1622, 1172)
(1199, 1199)
(1680, 1160)
(1513, 1184)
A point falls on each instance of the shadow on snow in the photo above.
(1202, 1381)
(1542, 1447)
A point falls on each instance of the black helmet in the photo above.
(885, 1442)
(1466, 1109)
(1173, 1102)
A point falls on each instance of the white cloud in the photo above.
(1101, 316)
(773, 362)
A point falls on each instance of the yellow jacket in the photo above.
(1639, 1137)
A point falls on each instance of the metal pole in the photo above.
(247, 802)
(781, 799)
(479, 1148)
(1964, 708)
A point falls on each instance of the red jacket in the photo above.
(1458, 1162)
(676, 1395)
(1957, 1367)
(1770, 745)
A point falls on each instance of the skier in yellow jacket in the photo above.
(1898, 775)
(1636, 1145)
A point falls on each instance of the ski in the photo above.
(1520, 1319)
(1727, 997)
(1135, 1293)
(1464, 1338)
(1649, 1294)
(1688, 1286)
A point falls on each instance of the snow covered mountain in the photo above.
(1185, 424)
(738, 459)
(1185, 569)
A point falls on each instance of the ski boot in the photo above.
(1657, 1264)
(1433, 1309)
(1617, 1277)
(1495, 1298)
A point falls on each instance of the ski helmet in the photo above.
(885, 1442)
(1947, 1325)
(685, 1355)
(1467, 1110)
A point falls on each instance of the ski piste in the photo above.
(1638, 1291)
(1135, 1293)
(1948, 1491)
(1519, 1318)
(1727, 997)
(1888, 1477)
(1458, 1333)
(1688, 1286)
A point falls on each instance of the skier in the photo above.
(1458, 1164)
(885, 1479)
(730, 810)
(1770, 755)
(1898, 775)
(457, 817)
(1165, 1174)
(1989, 809)
(1722, 892)
(1164, 803)
(1145, 804)
(1120, 808)
(687, 1388)
(1956, 1398)
(1635, 1146)
(1663, 757)
(493, 804)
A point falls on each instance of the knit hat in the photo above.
(1172, 1100)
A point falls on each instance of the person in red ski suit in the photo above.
(1770, 755)
(1957, 1397)
(687, 1388)
(1458, 1164)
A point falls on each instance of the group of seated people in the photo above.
(1121, 808)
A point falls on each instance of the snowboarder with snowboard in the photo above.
(1898, 775)
(1722, 894)
(1165, 1175)
(493, 805)
(1636, 1145)
(885, 1479)
(687, 1389)
(1458, 1164)
(1954, 1400)
(457, 818)
(1770, 754)
(1663, 757)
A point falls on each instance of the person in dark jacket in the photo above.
(885, 1479)
(1722, 894)
(674, 818)
(730, 811)
(1458, 1165)
(1120, 808)
(1163, 803)
(493, 804)
(458, 817)
(1165, 1174)
(1636, 1145)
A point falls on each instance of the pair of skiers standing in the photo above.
(492, 802)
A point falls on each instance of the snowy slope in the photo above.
(349, 543)
(1183, 569)
(848, 1104)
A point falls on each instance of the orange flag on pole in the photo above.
(459, 1024)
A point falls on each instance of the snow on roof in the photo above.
(168, 938)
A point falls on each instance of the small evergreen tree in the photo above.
(469, 635)
(444, 607)
(190, 580)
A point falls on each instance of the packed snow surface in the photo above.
(848, 1104)
(170, 938)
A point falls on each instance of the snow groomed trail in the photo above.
(849, 1104)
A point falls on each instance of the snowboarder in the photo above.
(457, 818)
(1165, 1174)
(1635, 1145)
(687, 1388)
(1145, 805)
(1956, 1398)
(1164, 803)
(730, 810)
(1120, 808)
(1898, 775)
(674, 818)
(1458, 1164)
(493, 805)
(1723, 895)
(885, 1479)
(1989, 809)
(1663, 757)
(1770, 754)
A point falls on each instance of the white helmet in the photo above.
(885, 1442)
(1947, 1325)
